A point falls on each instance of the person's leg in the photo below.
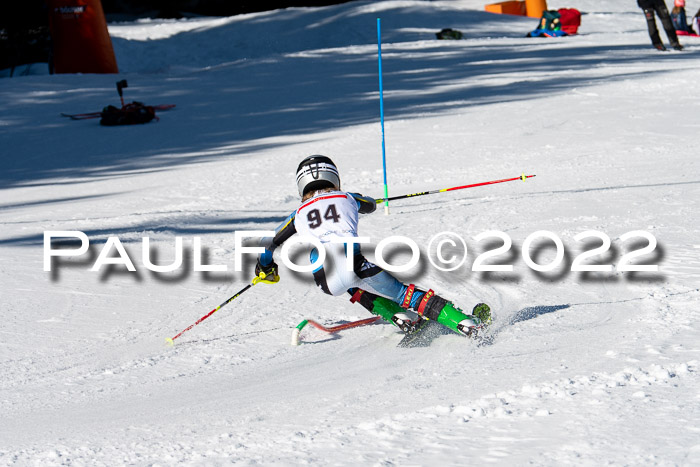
(386, 309)
(407, 297)
(389, 297)
(667, 23)
(375, 289)
(435, 307)
(653, 31)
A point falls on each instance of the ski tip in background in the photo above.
(169, 341)
(295, 336)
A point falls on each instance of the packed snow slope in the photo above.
(578, 367)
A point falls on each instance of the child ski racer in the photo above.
(330, 215)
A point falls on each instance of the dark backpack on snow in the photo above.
(130, 114)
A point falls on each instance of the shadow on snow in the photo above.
(233, 110)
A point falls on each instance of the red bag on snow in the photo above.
(570, 20)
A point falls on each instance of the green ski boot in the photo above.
(455, 319)
(445, 313)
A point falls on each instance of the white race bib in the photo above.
(328, 216)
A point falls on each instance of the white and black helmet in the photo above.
(317, 172)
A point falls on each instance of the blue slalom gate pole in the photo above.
(381, 114)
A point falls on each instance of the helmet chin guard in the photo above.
(317, 172)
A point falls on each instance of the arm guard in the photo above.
(365, 204)
(285, 230)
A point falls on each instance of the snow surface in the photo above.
(579, 368)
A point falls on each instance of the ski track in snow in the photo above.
(577, 368)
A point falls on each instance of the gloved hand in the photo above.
(267, 274)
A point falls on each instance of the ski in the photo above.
(89, 115)
(82, 116)
(296, 332)
(418, 332)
